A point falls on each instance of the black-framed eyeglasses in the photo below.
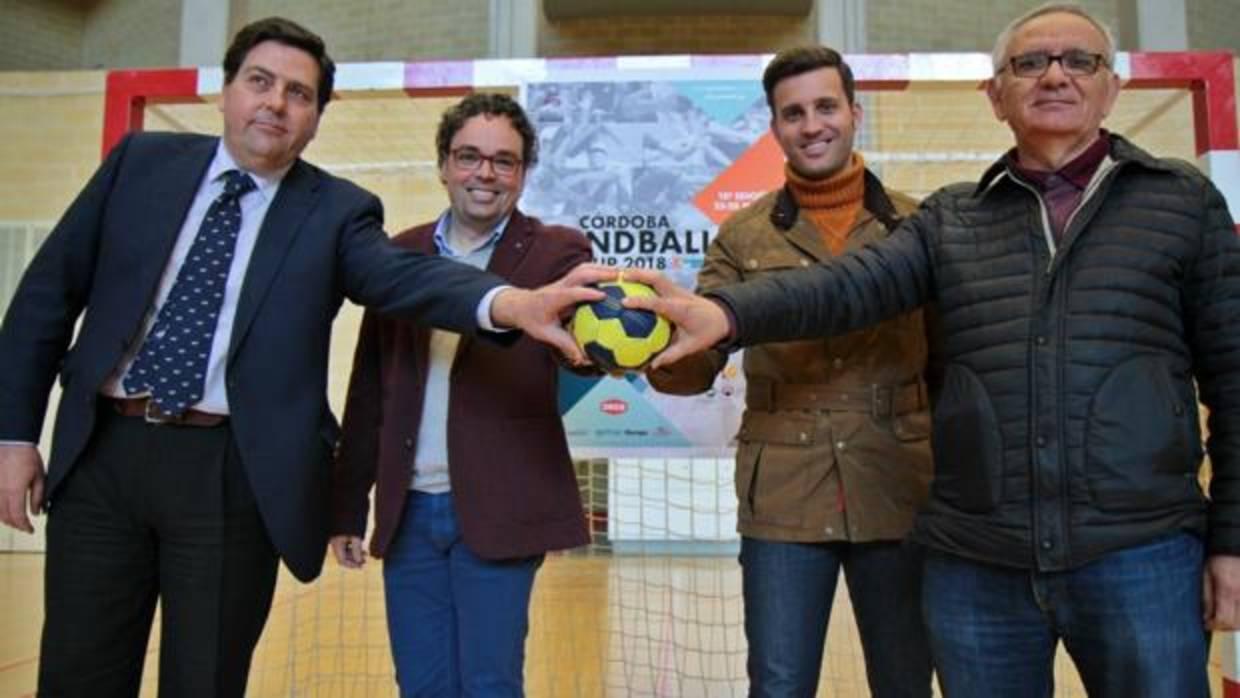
(1073, 62)
(469, 159)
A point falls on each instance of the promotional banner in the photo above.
(648, 169)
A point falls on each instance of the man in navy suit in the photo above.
(190, 495)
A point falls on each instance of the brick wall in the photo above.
(132, 34)
(1212, 25)
(385, 29)
(672, 34)
(40, 35)
(899, 26)
(50, 35)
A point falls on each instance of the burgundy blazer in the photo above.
(513, 483)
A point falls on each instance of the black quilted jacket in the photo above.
(1065, 401)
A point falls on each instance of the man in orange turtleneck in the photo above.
(833, 458)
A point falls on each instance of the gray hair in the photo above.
(999, 55)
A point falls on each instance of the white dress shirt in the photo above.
(254, 206)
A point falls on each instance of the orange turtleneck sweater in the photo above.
(831, 204)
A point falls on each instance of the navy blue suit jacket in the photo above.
(321, 242)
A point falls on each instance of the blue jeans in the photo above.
(457, 623)
(1131, 622)
(788, 590)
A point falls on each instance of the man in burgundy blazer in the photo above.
(462, 438)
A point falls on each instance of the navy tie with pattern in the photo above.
(172, 364)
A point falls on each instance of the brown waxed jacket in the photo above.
(834, 443)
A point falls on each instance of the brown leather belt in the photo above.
(143, 407)
(878, 400)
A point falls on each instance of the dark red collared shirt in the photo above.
(1063, 189)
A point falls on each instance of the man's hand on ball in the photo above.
(540, 313)
(616, 338)
(700, 323)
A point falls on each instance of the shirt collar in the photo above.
(1078, 172)
(445, 223)
(223, 162)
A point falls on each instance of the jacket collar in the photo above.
(1123, 152)
(294, 200)
(513, 244)
(785, 211)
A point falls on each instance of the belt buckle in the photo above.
(882, 401)
(152, 414)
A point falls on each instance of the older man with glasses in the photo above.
(1089, 295)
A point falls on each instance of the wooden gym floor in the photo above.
(599, 626)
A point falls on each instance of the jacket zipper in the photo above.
(1095, 183)
(1092, 188)
(1104, 170)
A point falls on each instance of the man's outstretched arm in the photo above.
(541, 312)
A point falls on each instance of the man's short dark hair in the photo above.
(803, 59)
(489, 104)
(289, 33)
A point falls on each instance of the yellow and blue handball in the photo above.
(617, 338)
